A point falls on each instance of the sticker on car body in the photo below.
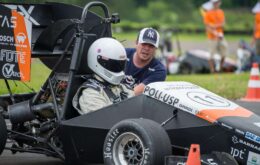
(253, 158)
(195, 100)
(15, 43)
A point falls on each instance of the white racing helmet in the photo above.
(107, 58)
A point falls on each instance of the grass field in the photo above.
(183, 37)
(228, 85)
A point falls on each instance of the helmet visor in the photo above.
(111, 64)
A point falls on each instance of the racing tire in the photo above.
(3, 134)
(136, 141)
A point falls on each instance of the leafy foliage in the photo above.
(168, 13)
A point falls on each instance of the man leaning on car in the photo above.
(142, 68)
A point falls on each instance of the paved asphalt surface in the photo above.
(34, 159)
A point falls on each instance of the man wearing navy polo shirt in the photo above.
(141, 67)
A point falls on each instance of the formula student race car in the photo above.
(156, 127)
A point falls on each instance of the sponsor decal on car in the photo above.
(208, 99)
(12, 56)
(108, 145)
(253, 158)
(186, 108)
(252, 137)
(8, 22)
(8, 71)
(160, 95)
(195, 100)
(15, 44)
(237, 140)
(20, 38)
(4, 38)
(26, 12)
(238, 153)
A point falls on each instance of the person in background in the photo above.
(106, 58)
(141, 67)
(214, 20)
(256, 36)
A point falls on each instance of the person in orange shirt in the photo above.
(214, 21)
(256, 35)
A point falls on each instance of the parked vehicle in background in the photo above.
(196, 61)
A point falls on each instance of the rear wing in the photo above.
(53, 28)
(43, 15)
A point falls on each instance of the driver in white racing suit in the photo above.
(106, 58)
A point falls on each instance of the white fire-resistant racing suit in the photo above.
(95, 93)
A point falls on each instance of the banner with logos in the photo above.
(15, 45)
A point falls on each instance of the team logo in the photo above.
(20, 38)
(208, 99)
(25, 12)
(8, 70)
(235, 140)
(150, 34)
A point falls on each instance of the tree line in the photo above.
(168, 13)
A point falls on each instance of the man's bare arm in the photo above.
(139, 89)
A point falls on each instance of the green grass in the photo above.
(202, 37)
(131, 36)
(125, 36)
(228, 85)
(39, 74)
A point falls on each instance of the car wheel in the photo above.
(185, 68)
(3, 134)
(136, 141)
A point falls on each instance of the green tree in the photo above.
(156, 11)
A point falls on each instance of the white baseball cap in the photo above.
(213, 1)
(207, 5)
(256, 8)
(150, 36)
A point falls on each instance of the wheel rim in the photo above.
(128, 149)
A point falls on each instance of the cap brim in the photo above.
(148, 42)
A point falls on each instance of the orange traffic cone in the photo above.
(253, 90)
(194, 155)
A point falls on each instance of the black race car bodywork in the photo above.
(148, 129)
(235, 131)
